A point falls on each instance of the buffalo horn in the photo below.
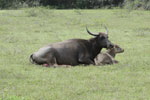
(106, 30)
(91, 32)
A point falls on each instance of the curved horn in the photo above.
(90, 32)
(106, 29)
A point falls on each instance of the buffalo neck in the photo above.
(95, 48)
(111, 52)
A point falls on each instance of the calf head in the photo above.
(117, 49)
(102, 39)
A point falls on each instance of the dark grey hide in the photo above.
(72, 52)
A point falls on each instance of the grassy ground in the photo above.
(23, 32)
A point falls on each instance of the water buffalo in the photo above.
(109, 56)
(72, 52)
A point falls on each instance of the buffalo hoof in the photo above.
(45, 65)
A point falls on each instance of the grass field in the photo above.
(24, 31)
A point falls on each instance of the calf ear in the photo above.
(116, 46)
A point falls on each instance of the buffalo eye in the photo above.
(102, 37)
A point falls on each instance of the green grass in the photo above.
(24, 31)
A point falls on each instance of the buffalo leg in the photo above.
(51, 61)
(85, 60)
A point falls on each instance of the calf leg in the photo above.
(115, 62)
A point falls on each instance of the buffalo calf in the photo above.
(109, 56)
